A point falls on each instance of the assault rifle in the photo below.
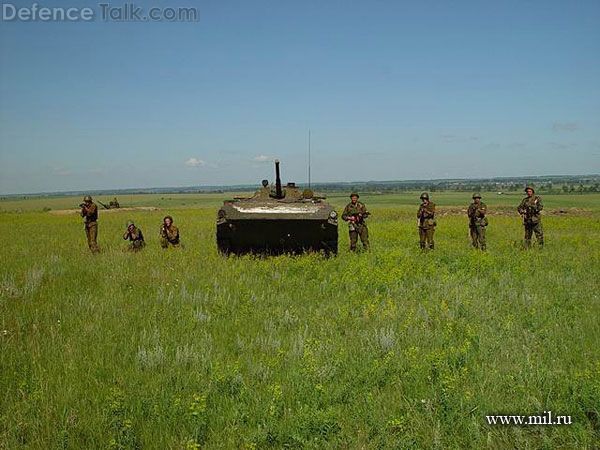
(360, 217)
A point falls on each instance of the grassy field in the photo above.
(388, 349)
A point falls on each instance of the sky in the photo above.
(390, 90)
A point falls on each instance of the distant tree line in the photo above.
(563, 185)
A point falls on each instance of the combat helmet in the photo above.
(87, 198)
(529, 187)
(130, 223)
(476, 195)
(424, 196)
(354, 194)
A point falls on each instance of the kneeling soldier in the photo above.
(426, 222)
(477, 221)
(134, 236)
(169, 233)
(530, 209)
(355, 214)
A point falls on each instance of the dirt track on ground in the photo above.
(64, 212)
(505, 211)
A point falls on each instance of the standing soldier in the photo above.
(169, 233)
(477, 221)
(135, 237)
(426, 222)
(89, 212)
(530, 209)
(355, 214)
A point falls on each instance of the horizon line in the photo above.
(169, 189)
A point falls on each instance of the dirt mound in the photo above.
(508, 211)
(569, 212)
(64, 212)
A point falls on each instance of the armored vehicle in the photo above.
(277, 220)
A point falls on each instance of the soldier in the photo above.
(530, 209)
(355, 214)
(426, 222)
(135, 237)
(89, 212)
(169, 233)
(114, 203)
(264, 192)
(477, 221)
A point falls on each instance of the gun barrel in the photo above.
(278, 190)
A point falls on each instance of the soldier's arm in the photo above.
(539, 204)
(482, 210)
(91, 210)
(429, 211)
(126, 235)
(345, 213)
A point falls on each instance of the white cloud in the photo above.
(62, 171)
(458, 138)
(263, 158)
(565, 126)
(195, 162)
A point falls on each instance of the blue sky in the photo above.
(390, 90)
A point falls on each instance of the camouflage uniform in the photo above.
(264, 192)
(89, 212)
(530, 209)
(169, 237)
(426, 223)
(135, 237)
(358, 228)
(477, 223)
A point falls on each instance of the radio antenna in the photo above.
(309, 158)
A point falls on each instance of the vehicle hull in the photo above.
(277, 236)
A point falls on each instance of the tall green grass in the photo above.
(388, 349)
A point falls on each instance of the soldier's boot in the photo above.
(527, 243)
(541, 243)
(431, 246)
(422, 245)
